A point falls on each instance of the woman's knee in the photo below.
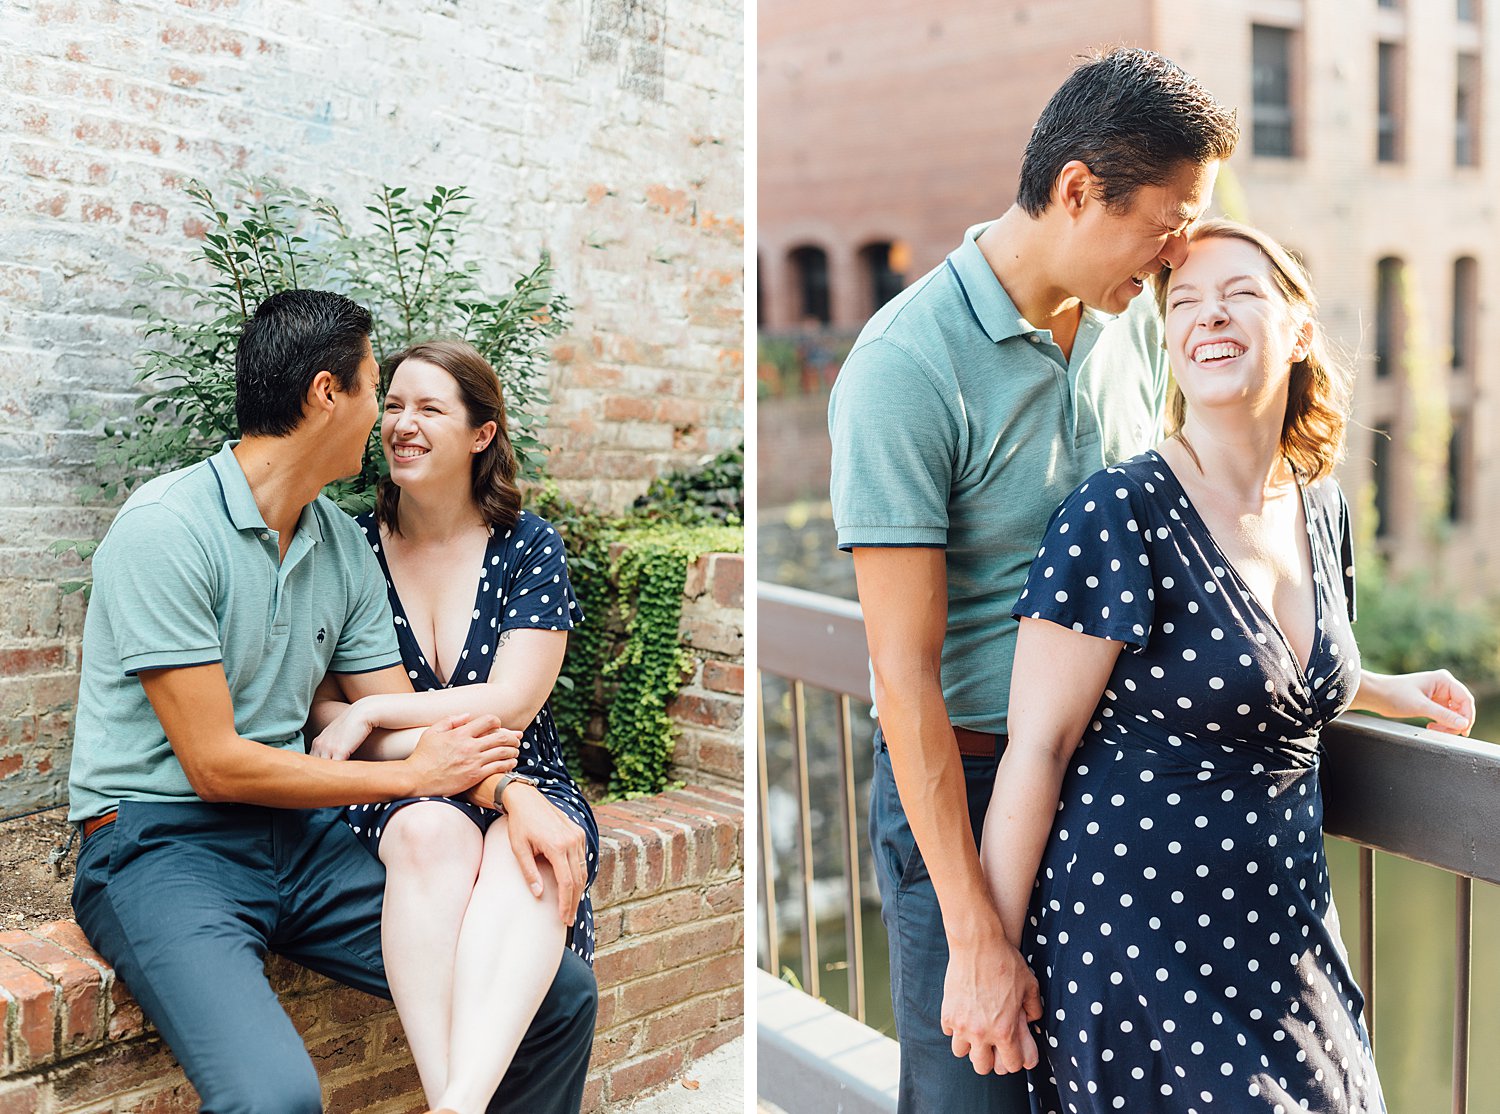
(428, 834)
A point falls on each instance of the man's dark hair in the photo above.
(289, 339)
(1133, 118)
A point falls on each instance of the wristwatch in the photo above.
(505, 784)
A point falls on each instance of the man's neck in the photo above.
(1016, 248)
(285, 475)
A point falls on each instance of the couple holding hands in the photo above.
(247, 644)
(1107, 580)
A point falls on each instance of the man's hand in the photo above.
(538, 829)
(460, 751)
(989, 995)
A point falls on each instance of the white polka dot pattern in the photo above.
(1182, 926)
(527, 558)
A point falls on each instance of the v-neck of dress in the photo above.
(1249, 593)
(400, 613)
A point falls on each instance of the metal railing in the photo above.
(1386, 787)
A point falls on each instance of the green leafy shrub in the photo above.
(1407, 624)
(712, 492)
(405, 265)
(635, 568)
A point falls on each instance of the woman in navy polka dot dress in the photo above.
(1155, 839)
(479, 903)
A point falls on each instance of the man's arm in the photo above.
(195, 710)
(904, 595)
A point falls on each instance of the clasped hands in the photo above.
(989, 998)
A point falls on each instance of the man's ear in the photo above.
(320, 393)
(1074, 187)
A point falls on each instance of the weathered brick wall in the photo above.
(608, 132)
(710, 709)
(670, 926)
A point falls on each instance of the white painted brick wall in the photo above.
(608, 132)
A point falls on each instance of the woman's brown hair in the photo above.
(493, 469)
(1321, 388)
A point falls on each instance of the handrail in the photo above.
(1402, 790)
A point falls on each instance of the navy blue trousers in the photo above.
(185, 900)
(932, 1078)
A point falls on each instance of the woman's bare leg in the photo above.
(508, 952)
(432, 855)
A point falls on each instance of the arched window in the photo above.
(1390, 325)
(811, 267)
(883, 265)
(1465, 312)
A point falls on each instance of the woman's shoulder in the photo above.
(529, 526)
(1136, 480)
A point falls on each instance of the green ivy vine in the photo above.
(649, 575)
(635, 567)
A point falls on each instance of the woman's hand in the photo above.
(1435, 695)
(539, 829)
(344, 735)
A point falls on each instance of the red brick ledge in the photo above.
(669, 902)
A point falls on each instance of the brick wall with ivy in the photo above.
(607, 133)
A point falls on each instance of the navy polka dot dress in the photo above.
(522, 586)
(1182, 927)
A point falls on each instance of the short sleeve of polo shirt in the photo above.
(368, 640)
(895, 440)
(158, 585)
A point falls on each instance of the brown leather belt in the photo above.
(93, 824)
(978, 744)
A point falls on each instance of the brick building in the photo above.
(607, 132)
(1370, 147)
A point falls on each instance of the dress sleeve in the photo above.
(537, 594)
(1093, 572)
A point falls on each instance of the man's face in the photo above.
(357, 414)
(1120, 250)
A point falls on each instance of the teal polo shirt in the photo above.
(190, 574)
(957, 424)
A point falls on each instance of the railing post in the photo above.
(1462, 972)
(1367, 937)
(810, 972)
(854, 936)
(767, 858)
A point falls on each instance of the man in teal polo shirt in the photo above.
(969, 407)
(222, 595)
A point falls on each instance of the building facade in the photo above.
(1369, 147)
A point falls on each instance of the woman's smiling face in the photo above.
(425, 428)
(1231, 334)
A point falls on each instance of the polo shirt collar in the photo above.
(244, 512)
(991, 305)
